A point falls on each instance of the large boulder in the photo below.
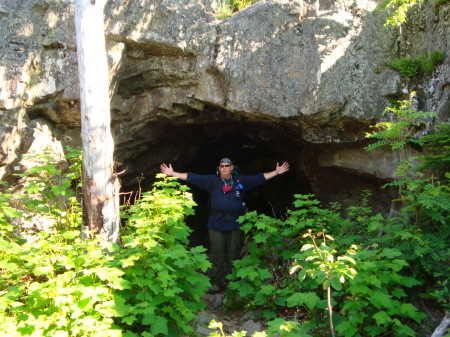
(279, 78)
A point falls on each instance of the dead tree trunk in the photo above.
(442, 328)
(100, 185)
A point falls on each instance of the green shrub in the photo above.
(166, 283)
(318, 261)
(425, 64)
(56, 284)
(367, 298)
(406, 66)
(438, 144)
(374, 301)
(422, 230)
(398, 10)
(229, 7)
(238, 5)
(224, 11)
(368, 288)
(261, 278)
(49, 192)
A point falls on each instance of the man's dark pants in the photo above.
(225, 248)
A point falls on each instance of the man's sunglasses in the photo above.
(224, 165)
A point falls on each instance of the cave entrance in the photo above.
(196, 142)
(254, 147)
(251, 155)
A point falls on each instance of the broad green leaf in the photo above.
(347, 329)
(113, 275)
(71, 234)
(408, 310)
(159, 326)
(373, 280)
(264, 274)
(302, 274)
(401, 329)
(310, 299)
(336, 283)
(398, 292)
(267, 289)
(148, 319)
(260, 238)
(129, 319)
(44, 270)
(374, 330)
(382, 300)
(409, 281)
(146, 334)
(12, 212)
(10, 266)
(390, 253)
(246, 289)
(382, 318)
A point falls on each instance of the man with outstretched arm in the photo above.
(225, 189)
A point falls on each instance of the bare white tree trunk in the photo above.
(100, 185)
(442, 328)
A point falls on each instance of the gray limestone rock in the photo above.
(314, 68)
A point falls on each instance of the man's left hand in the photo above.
(280, 169)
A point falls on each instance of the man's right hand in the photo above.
(167, 170)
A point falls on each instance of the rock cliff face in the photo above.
(291, 80)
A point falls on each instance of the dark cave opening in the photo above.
(254, 147)
(273, 198)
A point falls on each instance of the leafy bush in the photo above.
(398, 10)
(56, 284)
(50, 190)
(401, 128)
(165, 285)
(224, 11)
(406, 66)
(229, 7)
(318, 262)
(374, 303)
(438, 144)
(368, 281)
(371, 300)
(425, 64)
(422, 229)
(262, 278)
